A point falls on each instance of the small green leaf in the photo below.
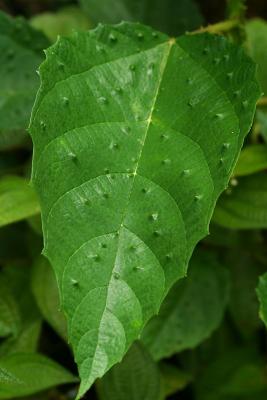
(20, 55)
(30, 374)
(252, 159)
(136, 377)
(17, 200)
(244, 205)
(193, 309)
(121, 211)
(61, 23)
(262, 296)
(46, 293)
(167, 16)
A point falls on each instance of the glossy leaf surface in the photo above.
(121, 211)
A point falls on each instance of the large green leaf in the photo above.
(192, 310)
(244, 206)
(135, 136)
(17, 200)
(20, 55)
(136, 377)
(25, 374)
(46, 293)
(172, 17)
(262, 296)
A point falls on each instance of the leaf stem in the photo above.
(218, 28)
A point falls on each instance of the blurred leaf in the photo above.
(169, 16)
(261, 119)
(61, 23)
(17, 200)
(243, 304)
(244, 206)
(257, 43)
(136, 377)
(192, 310)
(223, 237)
(173, 379)
(20, 55)
(30, 374)
(25, 339)
(236, 9)
(9, 312)
(252, 159)
(238, 374)
(46, 293)
(262, 296)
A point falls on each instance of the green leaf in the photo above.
(30, 373)
(61, 23)
(244, 206)
(257, 41)
(237, 375)
(261, 119)
(117, 203)
(46, 293)
(243, 305)
(17, 200)
(136, 377)
(20, 55)
(192, 310)
(25, 338)
(252, 159)
(167, 16)
(9, 312)
(262, 296)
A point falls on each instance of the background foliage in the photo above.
(209, 339)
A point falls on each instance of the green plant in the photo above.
(136, 134)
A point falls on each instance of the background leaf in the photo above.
(252, 159)
(32, 373)
(17, 200)
(192, 310)
(61, 23)
(244, 206)
(136, 377)
(262, 296)
(46, 293)
(20, 55)
(257, 41)
(172, 17)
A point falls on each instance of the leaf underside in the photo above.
(135, 136)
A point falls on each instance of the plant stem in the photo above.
(220, 27)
